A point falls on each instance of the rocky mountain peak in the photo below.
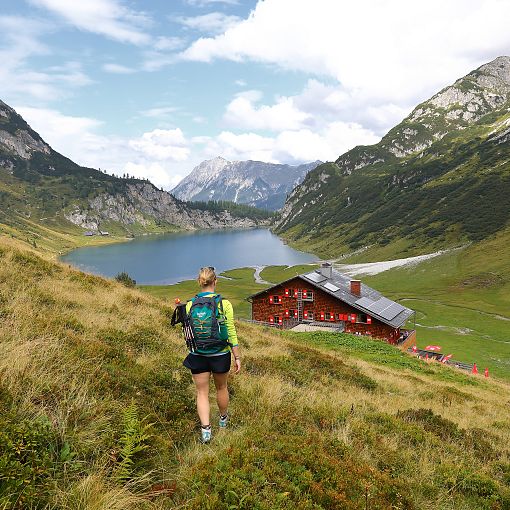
(250, 182)
(17, 138)
(499, 68)
(454, 108)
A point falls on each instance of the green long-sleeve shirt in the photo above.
(228, 311)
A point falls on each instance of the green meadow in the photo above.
(461, 298)
(235, 285)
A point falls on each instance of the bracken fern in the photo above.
(132, 441)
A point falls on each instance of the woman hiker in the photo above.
(212, 320)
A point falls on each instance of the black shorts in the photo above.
(199, 364)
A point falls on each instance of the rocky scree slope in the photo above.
(441, 176)
(255, 183)
(38, 184)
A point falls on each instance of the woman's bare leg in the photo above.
(202, 384)
(220, 381)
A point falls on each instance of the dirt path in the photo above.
(373, 268)
(257, 277)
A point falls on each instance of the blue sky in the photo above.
(155, 87)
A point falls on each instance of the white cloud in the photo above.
(289, 146)
(21, 40)
(158, 156)
(161, 111)
(117, 68)
(106, 17)
(203, 3)
(155, 172)
(163, 43)
(390, 51)
(211, 23)
(240, 83)
(242, 113)
(162, 144)
(114, 20)
(162, 54)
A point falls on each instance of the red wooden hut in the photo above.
(326, 297)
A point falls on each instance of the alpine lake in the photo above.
(171, 258)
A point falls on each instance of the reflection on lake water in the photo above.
(169, 258)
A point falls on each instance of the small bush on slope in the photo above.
(317, 421)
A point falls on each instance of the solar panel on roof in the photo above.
(392, 311)
(331, 287)
(364, 302)
(315, 277)
(379, 305)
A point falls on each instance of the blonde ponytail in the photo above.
(206, 276)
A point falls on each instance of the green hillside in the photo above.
(97, 412)
(462, 299)
(51, 201)
(440, 178)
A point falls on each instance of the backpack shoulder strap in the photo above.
(219, 301)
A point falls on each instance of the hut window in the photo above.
(362, 317)
(310, 315)
(277, 300)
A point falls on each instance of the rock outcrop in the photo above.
(144, 204)
(56, 187)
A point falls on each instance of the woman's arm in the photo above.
(237, 358)
(232, 333)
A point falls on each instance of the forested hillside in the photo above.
(439, 178)
(48, 199)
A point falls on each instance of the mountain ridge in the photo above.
(41, 186)
(423, 182)
(256, 183)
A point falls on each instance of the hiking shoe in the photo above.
(223, 421)
(206, 434)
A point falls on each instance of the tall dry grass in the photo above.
(310, 427)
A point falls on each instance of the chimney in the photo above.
(326, 270)
(356, 287)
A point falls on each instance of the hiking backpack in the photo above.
(207, 321)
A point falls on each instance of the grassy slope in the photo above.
(462, 299)
(52, 239)
(318, 420)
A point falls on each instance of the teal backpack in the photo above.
(208, 324)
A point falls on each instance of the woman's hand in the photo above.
(237, 361)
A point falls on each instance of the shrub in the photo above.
(443, 428)
(125, 279)
(29, 457)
